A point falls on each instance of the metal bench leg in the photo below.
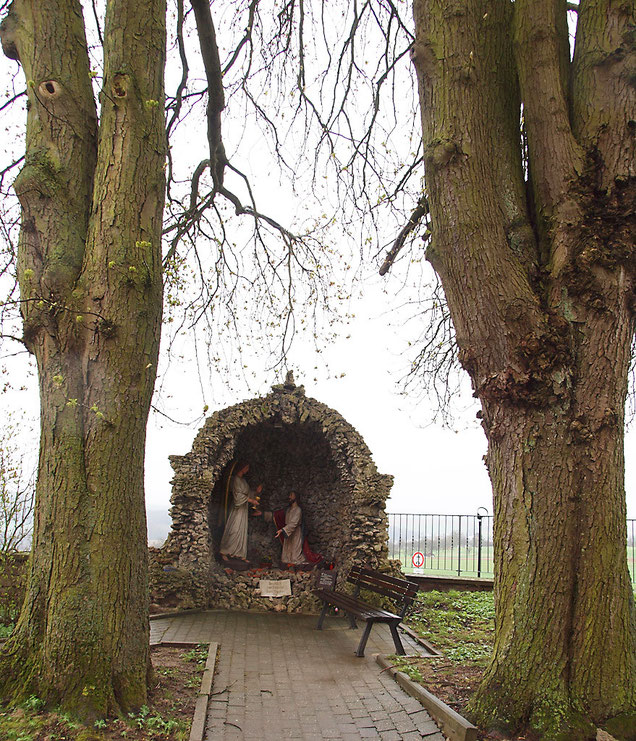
(365, 637)
(352, 621)
(399, 648)
(325, 607)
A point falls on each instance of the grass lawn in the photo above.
(444, 562)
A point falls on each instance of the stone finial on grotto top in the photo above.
(289, 381)
(289, 385)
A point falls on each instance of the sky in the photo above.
(437, 468)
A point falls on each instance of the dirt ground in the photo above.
(454, 684)
(167, 716)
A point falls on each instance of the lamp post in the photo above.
(479, 517)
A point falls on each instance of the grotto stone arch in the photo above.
(292, 442)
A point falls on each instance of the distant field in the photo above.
(446, 562)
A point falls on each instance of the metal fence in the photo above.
(459, 545)
(631, 548)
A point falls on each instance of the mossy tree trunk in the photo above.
(538, 265)
(89, 267)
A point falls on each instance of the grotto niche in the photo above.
(292, 443)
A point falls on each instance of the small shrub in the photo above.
(33, 703)
(198, 654)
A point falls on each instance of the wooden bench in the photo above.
(401, 591)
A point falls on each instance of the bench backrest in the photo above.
(401, 591)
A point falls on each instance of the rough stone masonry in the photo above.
(292, 442)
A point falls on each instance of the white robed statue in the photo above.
(292, 533)
(234, 540)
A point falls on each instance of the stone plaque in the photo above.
(275, 588)
(327, 579)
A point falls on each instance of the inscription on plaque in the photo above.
(327, 580)
(275, 588)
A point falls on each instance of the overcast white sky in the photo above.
(436, 468)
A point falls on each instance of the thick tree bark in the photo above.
(539, 278)
(90, 276)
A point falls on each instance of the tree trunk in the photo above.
(89, 267)
(539, 278)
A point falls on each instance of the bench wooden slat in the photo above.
(363, 571)
(385, 592)
(381, 575)
(399, 590)
(390, 588)
(354, 605)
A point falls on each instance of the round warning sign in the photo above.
(418, 559)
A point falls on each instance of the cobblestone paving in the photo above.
(277, 678)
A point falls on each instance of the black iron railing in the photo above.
(459, 545)
(631, 548)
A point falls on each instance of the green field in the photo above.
(445, 562)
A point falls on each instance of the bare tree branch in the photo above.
(247, 38)
(12, 337)
(17, 488)
(216, 97)
(420, 211)
(177, 101)
(8, 168)
(12, 100)
(98, 25)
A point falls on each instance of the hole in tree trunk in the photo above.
(50, 89)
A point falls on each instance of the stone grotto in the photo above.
(291, 442)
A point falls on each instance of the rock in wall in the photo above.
(292, 442)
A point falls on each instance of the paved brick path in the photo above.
(277, 677)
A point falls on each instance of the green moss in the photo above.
(42, 170)
(18, 675)
(88, 734)
(504, 714)
(552, 717)
(131, 691)
(13, 569)
(561, 722)
(623, 727)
